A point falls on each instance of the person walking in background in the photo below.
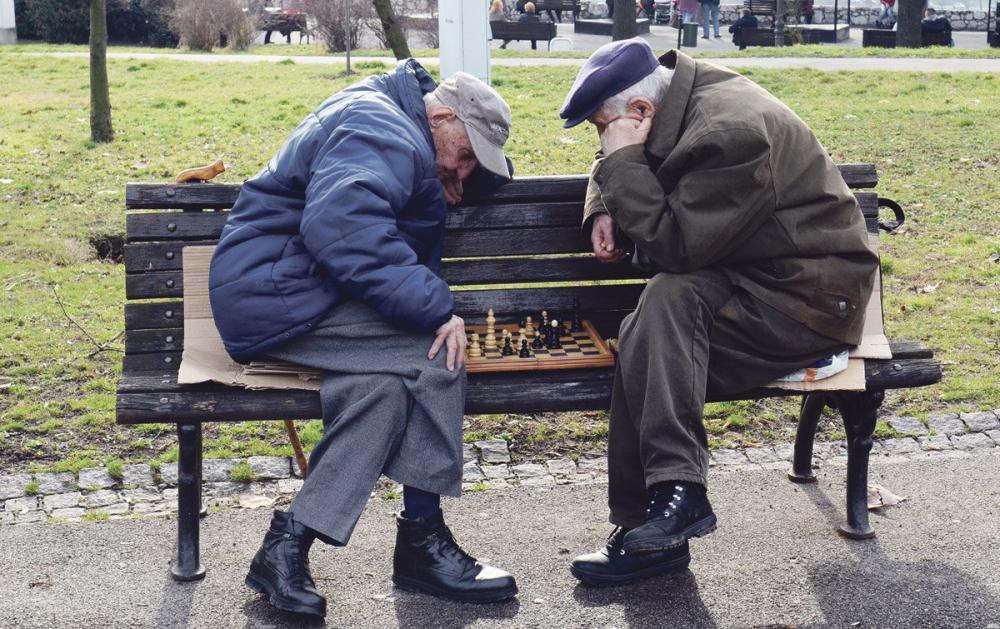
(687, 9)
(710, 8)
(887, 17)
(747, 20)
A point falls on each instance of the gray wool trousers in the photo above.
(387, 409)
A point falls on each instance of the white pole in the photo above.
(464, 30)
(8, 26)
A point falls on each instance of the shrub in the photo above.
(242, 473)
(59, 21)
(143, 22)
(329, 16)
(204, 24)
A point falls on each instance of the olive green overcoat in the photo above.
(731, 178)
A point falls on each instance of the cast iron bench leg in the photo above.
(860, 411)
(187, 566)
(809, 414)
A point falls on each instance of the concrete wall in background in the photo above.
(8, 28)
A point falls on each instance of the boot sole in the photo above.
(700, 528)
(279, 602)
(596, 579)
(413, 585)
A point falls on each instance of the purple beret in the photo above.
(612, 68)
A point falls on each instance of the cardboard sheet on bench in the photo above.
(205, 359)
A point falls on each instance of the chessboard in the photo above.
(579, 350)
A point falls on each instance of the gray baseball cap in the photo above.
(486, 117)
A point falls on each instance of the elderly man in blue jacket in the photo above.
(330, 258)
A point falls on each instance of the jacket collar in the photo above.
(667, 124)
(407, 85)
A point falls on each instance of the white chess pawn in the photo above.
(522, 336)
(529, 326)
(475, 351)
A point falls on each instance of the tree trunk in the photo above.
(624, 20)
(100, 97)
(908, 23)
(390, 26)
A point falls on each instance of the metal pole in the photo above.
(779, 23)
(347, 33)
(835, 11)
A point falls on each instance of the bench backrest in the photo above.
(557, 5)
(523, 30)
(886, 38)
(518, 251)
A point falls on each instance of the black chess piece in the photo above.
(577, 322)
(507, 349)
(541, 336)
(525, 352)
(554, 333)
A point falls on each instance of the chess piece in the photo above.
(525, 352)
(491, 337)
(545, 320)
(475, 351)
(577, 323)
(507, 349)
(529, 327)
(540, 338)
(553, 340)
(521, 336)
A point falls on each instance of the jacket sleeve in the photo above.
(361, 177)
(723, 195)
(593, 204)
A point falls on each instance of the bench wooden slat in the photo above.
(151, 398)
(167, 226)
(159, 196)
(142, 341)
(471, 304)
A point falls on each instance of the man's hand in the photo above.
(623, 132)
(602, 237)
(452, 191)
(452, 336)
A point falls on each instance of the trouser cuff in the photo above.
(685, 476)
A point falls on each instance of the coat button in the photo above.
(842, 305)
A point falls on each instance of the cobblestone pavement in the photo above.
(96, 494)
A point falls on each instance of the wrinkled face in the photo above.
(455, 157)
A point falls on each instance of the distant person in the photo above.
(611, 9)
(687, 9)
(529, 15)
(747, 20)
(497, 13)
(887, 17)
(934, 23)
(710, 9)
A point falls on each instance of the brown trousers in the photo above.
(691, 335)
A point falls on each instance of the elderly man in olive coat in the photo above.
(759, 261)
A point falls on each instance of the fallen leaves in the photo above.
(879, 496)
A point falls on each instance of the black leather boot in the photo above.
(427, 559)
(611, 565)
(280, 568)
(677, 512)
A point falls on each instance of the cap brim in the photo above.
(489, 155)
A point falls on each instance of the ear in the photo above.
(641, 106)
(438, 114)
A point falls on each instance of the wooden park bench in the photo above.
(769, 9)
(488, 242)
(757, 37)
(516, 31)
(886, 38)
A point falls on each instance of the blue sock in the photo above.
(418, 503)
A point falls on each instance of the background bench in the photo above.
(571, 6)
(526, 217)
(516, 31)
(886, 38)
(757, 37)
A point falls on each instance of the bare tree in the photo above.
(100, 94)
(908, 34)
(624, 20)
(394, 35)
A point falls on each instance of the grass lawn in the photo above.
(935, 138)
(311, 50)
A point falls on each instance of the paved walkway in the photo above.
(851, 64)
(775, 561)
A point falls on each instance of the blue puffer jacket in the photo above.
(349, 208)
